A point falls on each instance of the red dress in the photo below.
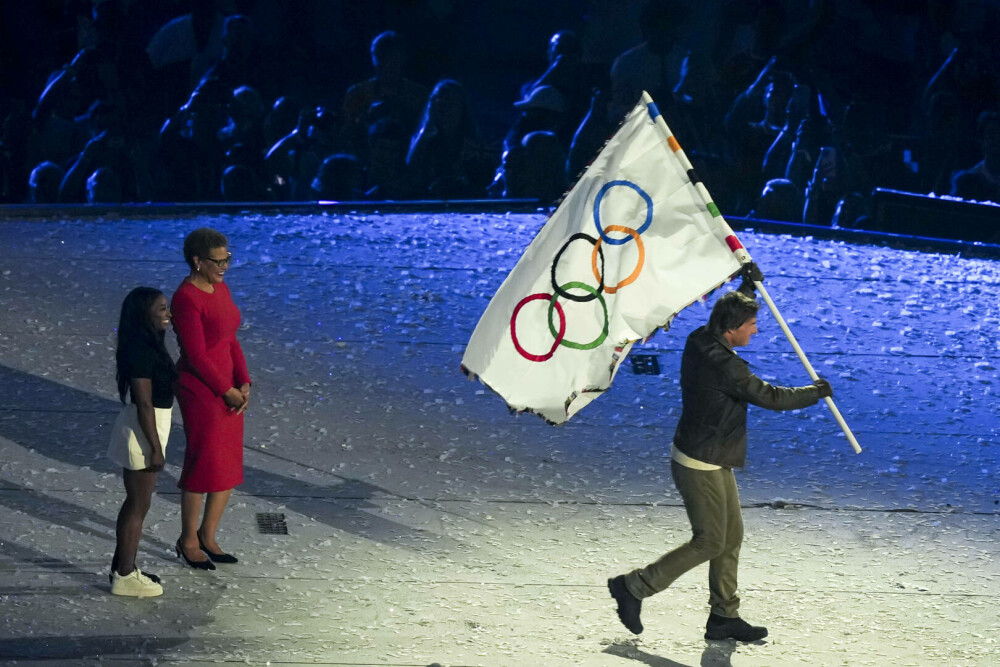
(211, 363)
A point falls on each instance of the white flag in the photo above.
(633, 243)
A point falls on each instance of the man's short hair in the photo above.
(384, 42)
(201, 242)
(731, 311)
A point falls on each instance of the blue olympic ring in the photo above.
(597, 211)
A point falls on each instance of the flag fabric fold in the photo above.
(636, 240)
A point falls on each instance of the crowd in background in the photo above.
(789, 110)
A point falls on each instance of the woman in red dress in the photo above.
(213, 389)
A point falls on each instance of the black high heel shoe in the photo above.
(228, 559)
(196, 564)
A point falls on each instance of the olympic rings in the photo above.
(559, 336)
(553, 304)
(597, 210)
(638, 266)
(592, 293)
(600, 277)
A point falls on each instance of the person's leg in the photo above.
(705, 495)
(214, 507)
(724, 621)
(723, 569)
(191, 503)
(139, 487)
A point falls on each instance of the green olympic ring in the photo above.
(600, 337)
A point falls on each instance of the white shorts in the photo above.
(129, 447)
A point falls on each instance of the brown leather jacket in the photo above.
(716, 386)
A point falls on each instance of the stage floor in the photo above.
(426, 524)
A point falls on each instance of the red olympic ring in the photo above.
(562, 327)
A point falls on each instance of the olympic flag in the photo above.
(636, 240)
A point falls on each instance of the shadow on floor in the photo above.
(72, 426)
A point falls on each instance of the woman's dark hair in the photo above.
(448, 87)
(200, 243)
(135, 329)
(731, 311)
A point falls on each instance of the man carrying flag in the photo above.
(636, 240)
(710, 440)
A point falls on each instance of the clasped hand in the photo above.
(237, 399)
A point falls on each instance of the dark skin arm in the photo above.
(142, 391)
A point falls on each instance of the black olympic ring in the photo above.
(559, 289)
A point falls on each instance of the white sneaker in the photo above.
(135, 584)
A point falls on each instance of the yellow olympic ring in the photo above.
(638, 267)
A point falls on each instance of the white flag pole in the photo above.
(744, 258)
(805, 362)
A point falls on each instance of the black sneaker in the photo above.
(629, 605)
(721, 627)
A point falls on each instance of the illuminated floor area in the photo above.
(426, 525)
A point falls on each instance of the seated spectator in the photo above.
(73, 88)
(696, 110)
(437, 159)
(776, 159)
(104, 187)
(341, 177)
(982, 182)
(102, 116)
(654, 65)
(388, 177)
(867, 150)
(826, 187)
(184, 48)
(750, 104)
(235, 66)
(593, 132)
(544, 109)
(243, 141)
(43, 185)
(544, 162)
(565, 73)
(532, 169)
(780, 200)
(190, 151)
(750, 33)
(107, 151)
(971, 75)
(814, 132)
(399, 97)
(859, 157)
(292, 163)
(281, 119)
(510, 178)
(239, 184)
(54, 135)
(851, 213)
(245, 124)
(751, 134)
(946, 146)
(246, 155)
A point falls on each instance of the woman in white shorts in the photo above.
(145, 372)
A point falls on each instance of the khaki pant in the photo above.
(712, 502)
